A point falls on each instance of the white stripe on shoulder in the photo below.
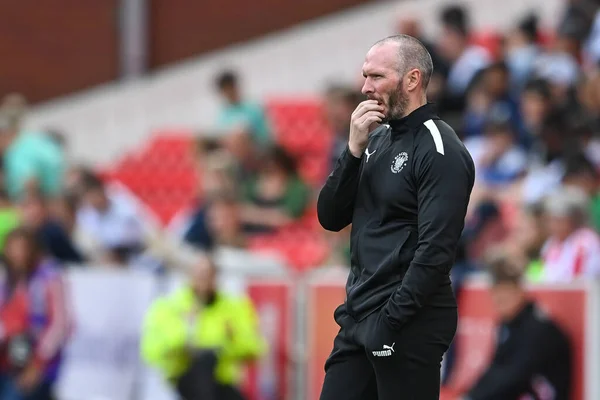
(437, 136)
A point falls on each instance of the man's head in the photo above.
(536, 101)
(203, 276)
(496, 79)
(507, 293)
(397, 70)
(94, 192)
(223, 217)
(227, 84)
(566, 210)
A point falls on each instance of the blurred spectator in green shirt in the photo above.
(276, 196)
(238, 113)
(32, 160)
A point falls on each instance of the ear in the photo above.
(413, 79)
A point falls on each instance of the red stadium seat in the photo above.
(162, 173)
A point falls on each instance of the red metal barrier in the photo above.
(268, 379)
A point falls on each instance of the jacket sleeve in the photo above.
(335, 205)
(444, 180)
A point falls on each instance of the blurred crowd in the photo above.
(525, 102)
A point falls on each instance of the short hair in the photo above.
(412, 54)
(225, 79)
(570, 202)
(502, 267)
(92, 182)
(456, 18)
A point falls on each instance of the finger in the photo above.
(366, 122)
(365, 106)
(370, 114)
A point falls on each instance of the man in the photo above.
(200, 337)
(112, 222)
(405, 188)
(238, 114)
(31, 160)
(533, 357)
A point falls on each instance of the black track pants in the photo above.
(372, 361)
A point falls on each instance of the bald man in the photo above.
(404, 183)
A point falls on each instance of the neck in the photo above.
(414, 104)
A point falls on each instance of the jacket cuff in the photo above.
(349, 157)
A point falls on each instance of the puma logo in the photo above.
(386, 352)
(369, 154)
(386, 347)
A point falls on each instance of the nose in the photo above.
(367, 87)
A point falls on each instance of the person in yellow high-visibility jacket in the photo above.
(200, 338)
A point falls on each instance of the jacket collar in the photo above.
(413, 120)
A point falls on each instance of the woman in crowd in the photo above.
(276, 195)
(33, 318)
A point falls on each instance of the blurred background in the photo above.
(151, 148)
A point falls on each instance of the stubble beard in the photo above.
(398, 103)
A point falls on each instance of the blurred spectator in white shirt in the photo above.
(521, 51)
(465, 59)
(112, 222)
(573, 249)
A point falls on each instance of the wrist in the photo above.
(356, 151)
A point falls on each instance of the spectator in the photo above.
(32, 160)
(219, 189)
(200, 337)
(572, 249)
(498, 102)
(239, 113)
(522, 50)
(465, 60)
(535, 105)
(112, 224)
(527, 240)
(276, 196)
(546, 167)
(34, 318)
(532, 358)
(224, 221)
(498, 158)
(580, 172)
(52, 235)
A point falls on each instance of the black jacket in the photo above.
(533, 357)
(406, 198)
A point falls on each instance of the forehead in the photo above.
(381, 57)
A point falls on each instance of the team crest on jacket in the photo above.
(399, 162)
